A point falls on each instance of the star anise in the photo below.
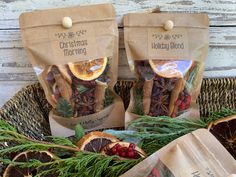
(165, 84)
(84, 102)
(159, 105)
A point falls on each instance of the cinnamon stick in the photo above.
(147, 92)
(100, 90)
(179, 86)
(64, 87)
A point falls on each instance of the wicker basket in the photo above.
(28, 110)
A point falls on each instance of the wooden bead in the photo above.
(67, 22)
(168, 25)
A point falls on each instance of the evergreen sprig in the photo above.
(61, 141)
(79, 163)
(156, 132)
(86, 164)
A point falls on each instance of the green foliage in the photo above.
(81, 88)
(6, 126)
(109, 98)
(79, 131)
(138, 99)
(224, 112)
(84, 164)
(61, 141)
(156, 132)
(79, 163)
(64, 108)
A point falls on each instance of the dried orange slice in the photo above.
(15, 171)
(171, 68)
(95, 141)
(224, 130)
(124, 150)
(88, 70)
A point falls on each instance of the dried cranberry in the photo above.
(119, 148)
(132, 145)
(123, 154)
(131, 154)
(125, 149)
(183, 106)
(113, 150)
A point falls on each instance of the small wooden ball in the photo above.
(168, 25)
(67, 22)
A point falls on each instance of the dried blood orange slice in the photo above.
(15, 171)
(124, 150)
(95, 141)
(171, 68)
(88, 70)
(224, 130)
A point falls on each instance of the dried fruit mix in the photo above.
(75, 56)
(79, 93)
(163, 94)
(166, 52)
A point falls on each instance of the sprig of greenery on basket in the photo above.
(85, 164)
(156, 132)
(79, 162)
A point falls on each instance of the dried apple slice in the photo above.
(15, 171)
(88, 70)
(224, 130)
(171, 68)
(95, 141)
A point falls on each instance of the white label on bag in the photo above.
(164, 44)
